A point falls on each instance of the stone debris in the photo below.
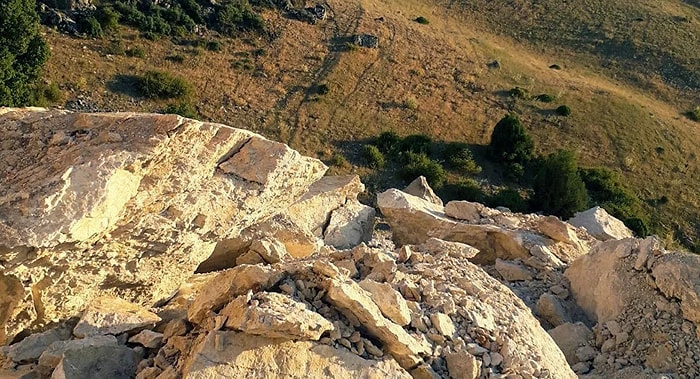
(299, 289)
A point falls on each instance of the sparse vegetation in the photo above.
(510, 143)
(509, 198)
(91, 27)
(518, 93)
(137, 52)
(555, 67)
(563, 110)
(416, 143)
(422, 20)
(163, 85)
(214, 46)
(338, 160)
(459, 157)
(411, 103)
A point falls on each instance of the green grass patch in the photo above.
(163, 85)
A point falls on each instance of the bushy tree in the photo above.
(510, 142)
(558, 188)
(22, 51)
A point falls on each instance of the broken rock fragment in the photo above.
(109, 315)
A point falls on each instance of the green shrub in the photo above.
(91, 27)
(459, 157)
(137, 52)
(237, 15)
(555, 67)
(420, 165)
(107, 17)
(192, 9)
(184, 109)
(214, 46)
(388, 142)
(510, 199)
(322, 89)
(545, 98)
(464, 189)
(338, 160)
(115, 47)
(163, 85)
(515, 171)
(638, 226)
(422, 20)
(558, 188)
(563, 110)
(694, 114)
(47, 94)
(373, 157)
(510, 142)
(416, 143)
(518, 93)
(411, 103)
(22, 52)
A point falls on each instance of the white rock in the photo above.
(443, 323)
(462, 365)
(350, 225)
(420, 188)
(464, 210)
(512, 271)
(147, 338)
(600, 224)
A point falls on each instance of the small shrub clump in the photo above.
(372, 157)
(421, 165)
(509, 198)
(518, 92)
(214, 46)
(694, 114)
(388, 142)
(338, 160)
(322, 89)
(184, 109)
(422, 20)
(545, 98)
(563, 110)
(510, 143)
(163, 85)
(558, 188)
(459, 157)
(136, 52)
(91, 27)
(416, 143)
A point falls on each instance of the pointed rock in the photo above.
(389, 301)
(601, 225)
(420, 188)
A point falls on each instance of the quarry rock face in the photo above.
(152, 246)
(125, 204)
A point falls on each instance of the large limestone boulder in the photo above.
(237, 355)
(677, 275)
(125, 204)
(600, 224)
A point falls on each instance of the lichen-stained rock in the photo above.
(228, 285)
(108, 315)
(126, 204)
(237, 355)
(274, 315)
(414, 220)
(600, 224)
(350, 297)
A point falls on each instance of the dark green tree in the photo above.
(22, 51)
(510, 142)
(558, 188)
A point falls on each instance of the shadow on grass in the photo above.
(124, 85)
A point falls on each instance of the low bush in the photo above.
(163, 85)
(388, 142)
(545, 98)
(214, 46)
(410, 103)
(518, 92)
(373, 157)
(422, 20)
(184, 109)
(91, 27)
(177, 58)
(237, 15)
(555, 67)
(421, 165)
(322, 89)
(563, 110)
(558, 188)
(694, 114)
(136, 52)
(510, 143)
(459, 157)
(464, 189)
(46, 94)
(416, 143)
(509, 198)
(338, 160)
(107, 17)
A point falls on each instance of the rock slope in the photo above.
(152, 246)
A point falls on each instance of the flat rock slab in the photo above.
(114, 316)
(114, 362)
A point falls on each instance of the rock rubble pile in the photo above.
(153, 246)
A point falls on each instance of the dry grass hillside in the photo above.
(628, 70)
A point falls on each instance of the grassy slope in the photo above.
(442, 69)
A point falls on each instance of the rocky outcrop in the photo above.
(125, 204)
(461, 291)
